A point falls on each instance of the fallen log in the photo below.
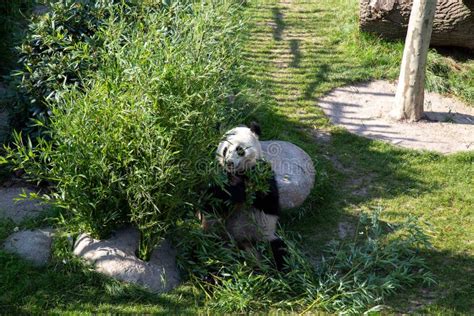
(453, 23)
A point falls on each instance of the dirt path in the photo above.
(364, 109)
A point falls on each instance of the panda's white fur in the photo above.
(239, 150)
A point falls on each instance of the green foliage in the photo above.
(60, 51)
(257, 180)
(12, 21)
(135, 143)
(351, 278)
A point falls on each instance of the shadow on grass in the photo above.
(279, 24)
(451, 295)
(295, 51)
(456, 53)
(319, 76)
(73, 287)
(391, 171)
(453, 272)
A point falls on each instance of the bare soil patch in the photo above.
(363, 109)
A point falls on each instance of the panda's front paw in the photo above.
(280, 252)
(234, 179)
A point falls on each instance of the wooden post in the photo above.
(411, 83)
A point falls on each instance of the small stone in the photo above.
(32, 245)
(294, 171)
(345, 229)
(18, 210)
(116, 258)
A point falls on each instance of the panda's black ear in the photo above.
(255, 128)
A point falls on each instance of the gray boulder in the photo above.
(40, 9)
(116, 258)
(294, 171)
(32, 245)
(21, 209)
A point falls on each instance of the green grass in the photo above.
(73, 288)
(298, 51)
(301, 50)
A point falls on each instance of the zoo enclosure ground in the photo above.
(303, 49)
(300, 50)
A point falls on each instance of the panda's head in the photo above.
(240, 149)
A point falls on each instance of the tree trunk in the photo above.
(411, 84)
(453, 23)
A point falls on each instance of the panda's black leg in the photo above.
(279, 251)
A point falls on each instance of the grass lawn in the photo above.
(297, 51)
(302, 49)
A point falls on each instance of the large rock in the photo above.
(294, 171)
(40, 9)
(116, 258)
(32, 245)
(21, 209)
(452, 26)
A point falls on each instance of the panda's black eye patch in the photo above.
(224, 152)
(240, 151)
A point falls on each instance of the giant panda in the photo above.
(238, 152)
